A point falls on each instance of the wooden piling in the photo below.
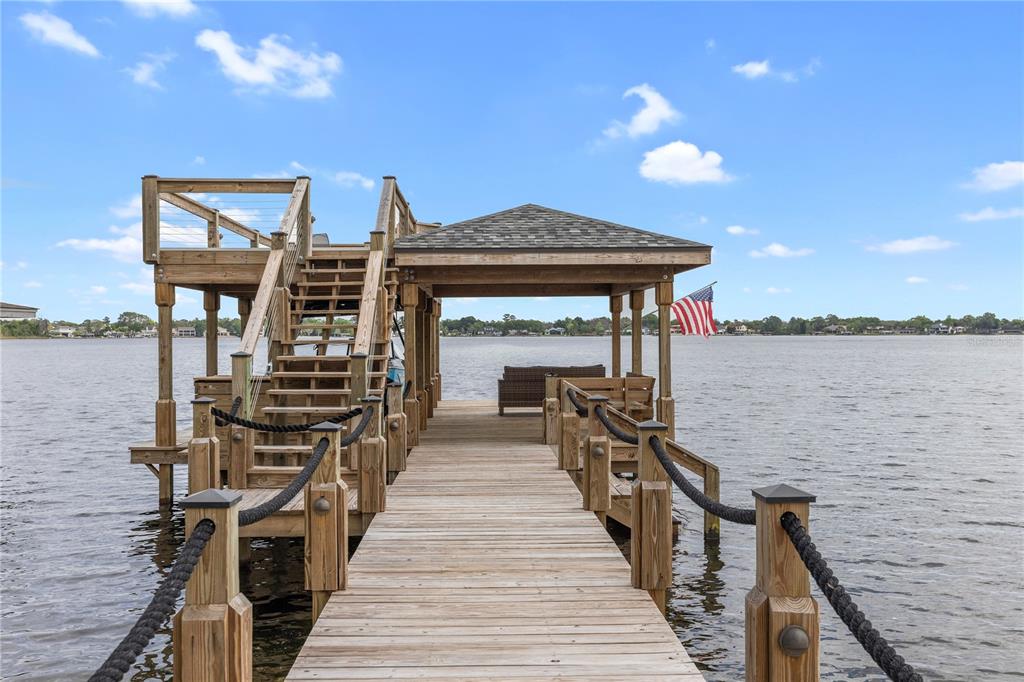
(203, 448)
(551, 409)
(326, 521)
(213, 632)
(781, 596)
(651, 520)
(615, 308)
(373, 465)
(410, 296)
(597, 462)
(395, 428)
(666, 406)
(211, 304)
(166, 408)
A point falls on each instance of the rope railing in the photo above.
(230, 418)
(624, 436)
(160, 607)
(722, 511)
(255, 514)
(881, 652)
(236, 404)
(581, 409)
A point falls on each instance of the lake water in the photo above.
(913, 446)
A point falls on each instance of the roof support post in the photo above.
(166, 408)
(410, 296)
(666, 405)
(636, 307)
(615, 307)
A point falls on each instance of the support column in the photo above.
(781, 616)
(615, 307)
(244, 309)
(421, 361)
(410, 296)
(636, 307)
(666, 405)
(203, 449)
(213, 631)
(166, 410)
(437, 351)
(211, 304)
(651, 520)
(597, 462)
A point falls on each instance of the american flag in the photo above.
(694, 312)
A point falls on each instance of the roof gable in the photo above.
(532, 227)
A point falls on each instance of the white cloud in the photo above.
(127, 247)
(97, 289)
(682, 163)
(656, 111)
(997, 176)
(273, 66)
(32, 284)
(913, 245)
(129, 208)
(739, 229)
(142, 286)
(777, 250)
(990, 213)
(52, 30)
(152, 8)
(778, 290)
(753, 69)
(349, 179)
(710, 45)
(144, 72)
(199, 161)
(747, 290)
(914, 279)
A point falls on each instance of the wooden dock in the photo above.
(485, 565)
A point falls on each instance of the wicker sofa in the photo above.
(524, 386)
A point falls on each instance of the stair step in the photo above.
(312, 392)
(330, 341)
(330, 410)
(283, 449)
(326, 297)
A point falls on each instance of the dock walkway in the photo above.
(485, 565)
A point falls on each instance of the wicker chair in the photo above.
(524, 386)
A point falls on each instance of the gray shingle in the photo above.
(532, 227)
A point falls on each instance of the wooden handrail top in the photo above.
(261, 304)
(232, 185)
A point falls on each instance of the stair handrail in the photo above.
(290, 244)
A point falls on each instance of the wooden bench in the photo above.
(633, 394)
(524, 386)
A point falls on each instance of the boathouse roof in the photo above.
(531, 227)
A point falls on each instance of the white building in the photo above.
(13, 311)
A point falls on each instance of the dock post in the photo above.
(551, 409)
(437, 352)
(211, 304)
(597, 463)
(203, 448)
(373, 465)
(666, 405)
(422, 338)
(569, 434)
(244, 309)
(166, 408)
(213, 631)
(359, 365)
(636, 338)
(781, 616)
(410, 296)
(615, 308)
(241, 375)
(651, 520)
(326, 519)
(396, 430)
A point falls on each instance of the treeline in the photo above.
(127, 323)
(981, 324)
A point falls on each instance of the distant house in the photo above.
(908, 330)
(939, 328)
(182, 332)
(147, 332)
(835, 329)
(111, 334)
(221, 331)
(63, 331)
(958, 330)
(555, 331)
(13, 311)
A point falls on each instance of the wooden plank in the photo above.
(233, 185)
(261, 306)
(484, 566)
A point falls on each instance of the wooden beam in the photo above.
(517, 290)
(230, 185)
(150, 220)
(550, 273)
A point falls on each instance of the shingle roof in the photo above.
(532, 227)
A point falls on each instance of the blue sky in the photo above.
(846, 158)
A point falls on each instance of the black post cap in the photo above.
(326, 427)
(212, 498)
(782, 493)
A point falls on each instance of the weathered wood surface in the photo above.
(486, 566)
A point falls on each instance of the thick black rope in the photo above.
(624, 436)
(261, 511)
(722, 511)
(405, 391)
(891, 663)
(229, 418)
(160, 608)
(235, 405)
(581, 409)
